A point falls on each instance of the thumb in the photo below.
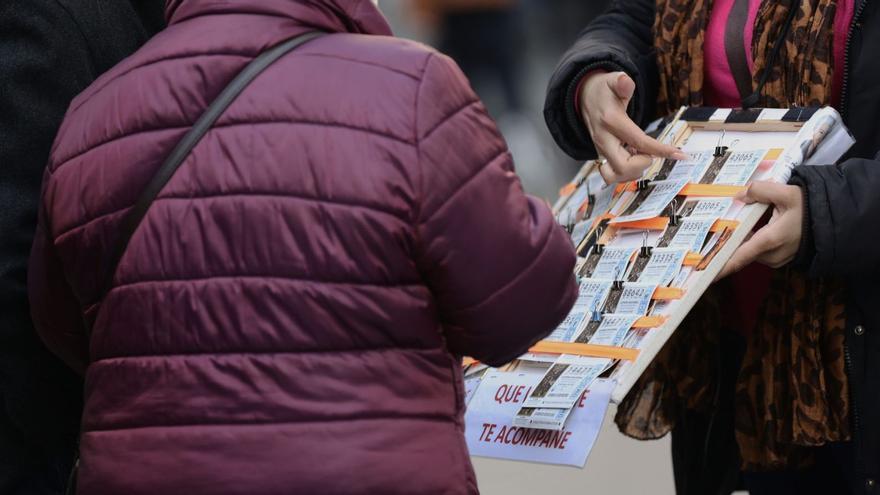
(623, 86)
(769, 193)
(747, 253)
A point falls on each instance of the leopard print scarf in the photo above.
(791, 392)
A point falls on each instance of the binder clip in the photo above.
(646, 250)
(643, 184)
(599, 249)
(674, 217)
(617, 285)
(720, 149)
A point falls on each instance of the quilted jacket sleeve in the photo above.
(844, 211)
(54, 308)
(621, 39)
(500, 268)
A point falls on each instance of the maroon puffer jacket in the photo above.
(286, 318)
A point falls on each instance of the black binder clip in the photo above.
(643, 184)
(617, 285)
(720, 150)
(674, 217)
(600, 248)
(646, 250)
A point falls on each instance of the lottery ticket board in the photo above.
(647, 251)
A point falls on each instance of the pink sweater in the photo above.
(720, 87)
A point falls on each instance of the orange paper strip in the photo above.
(774, 154)
(724, 224)
(625, 186)
(567, 189)
(599, 219)
(590, 350)
(667, 293)
(656, 223)
(692, 259)
(711, 190)
(467, 361)
(649, 322)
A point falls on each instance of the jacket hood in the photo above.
(334, 16)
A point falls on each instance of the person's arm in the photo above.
(498, 265)
(44, 63)
(843, 205)
(620, 40)
(823, 221)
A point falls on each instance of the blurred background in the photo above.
(508, 49)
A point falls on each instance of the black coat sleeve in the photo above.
(844, 211)
(44, 63)
(621, 39)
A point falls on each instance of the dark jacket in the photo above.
(287, 317)
(50, 50)
(844, 200)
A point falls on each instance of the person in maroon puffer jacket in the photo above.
(288, 318)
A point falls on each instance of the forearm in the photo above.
(619, 40)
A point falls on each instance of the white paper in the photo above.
(681, 279)
(739, 167)
(663, 193)
(569, 212)
(772, 114)
(591, 294)
(692, 233)
(663, 266)
(580, 231)
(720, 115)
(612, 264)
(470, 387)
(541, 418)
(635, 239)
(603, 194)
(693, 168)
(491, 433)
(635, 299)
(613, 329)
(565, 381)
(711, 207)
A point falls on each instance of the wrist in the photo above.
(806, 250)
(582, 84)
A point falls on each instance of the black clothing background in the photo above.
(843, 201)
(50, 50)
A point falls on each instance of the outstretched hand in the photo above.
(628, 151)
(777, 243)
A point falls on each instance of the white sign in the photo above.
(490, 431)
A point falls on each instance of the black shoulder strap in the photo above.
(734, 46)
(136, 214)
